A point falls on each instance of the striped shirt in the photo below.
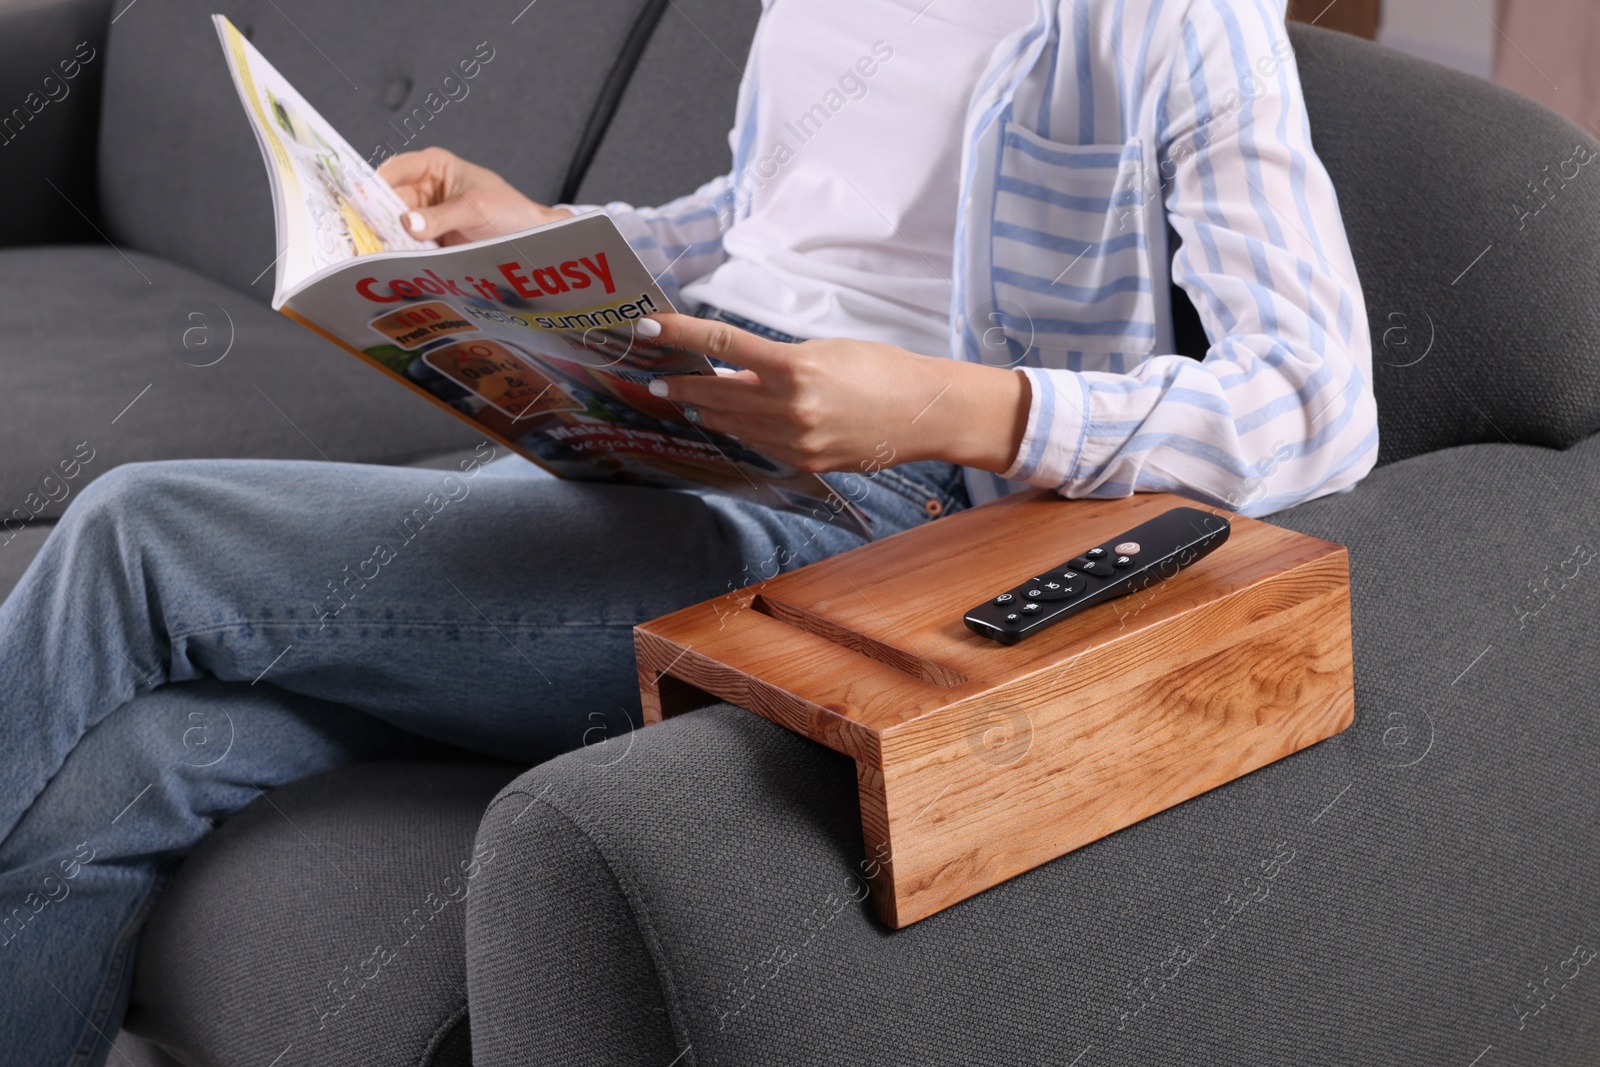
(1099, 138)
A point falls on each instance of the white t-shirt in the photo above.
(854, 171)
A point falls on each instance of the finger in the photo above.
(751, 431)
(714, 392)
(412, 168)
(410, 195)
(448, 216)
(717, 340)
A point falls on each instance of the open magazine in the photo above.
(529, 337)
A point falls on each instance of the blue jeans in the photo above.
(359, 611)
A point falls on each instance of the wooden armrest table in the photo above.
(977, 761)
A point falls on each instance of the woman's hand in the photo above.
(844, 405)
(455, 201)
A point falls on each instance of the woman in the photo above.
(969, 207)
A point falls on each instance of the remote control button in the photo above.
(1078, 563)
(1004, 598)
(1052, 589)
(1094, 553)
(1013, 617)
(1127, 548)
(1122, 561)
(1097, 567)
(1031, 609)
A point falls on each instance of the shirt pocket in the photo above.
(1070, 255)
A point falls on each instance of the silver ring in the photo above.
(691, 414)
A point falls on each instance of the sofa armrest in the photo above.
(558, 932)
(52, 55)
(691, 893)
(616, 926)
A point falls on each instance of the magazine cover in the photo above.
(529, 336)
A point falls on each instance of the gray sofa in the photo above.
(1421, 887)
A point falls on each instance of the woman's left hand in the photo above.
(840, 404)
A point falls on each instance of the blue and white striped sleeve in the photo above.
(1281, 408)
(679, 241)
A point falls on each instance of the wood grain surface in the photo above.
(978, 761)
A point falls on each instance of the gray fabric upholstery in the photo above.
(301, 895)
(71, 370)
(1432, 168)
(130, 1050)
(17, 553)
(365, 66)
(1442, 856)
(678, 124)
(47, 128)
(606, 1004)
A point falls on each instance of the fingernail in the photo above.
(415, 221)
(650, 328)
(658, 386)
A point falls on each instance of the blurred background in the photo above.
(1546, 49)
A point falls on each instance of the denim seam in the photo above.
(917, 491)
(900, 485)
(117, 975)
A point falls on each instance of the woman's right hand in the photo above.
(455, 201)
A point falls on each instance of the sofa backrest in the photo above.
(50, 87)
(1482, 292)
(181, 177)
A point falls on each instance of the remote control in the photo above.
(1146, 554)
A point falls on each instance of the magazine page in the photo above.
(530, 337)
(329, 204)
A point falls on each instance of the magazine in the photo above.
(529, 337)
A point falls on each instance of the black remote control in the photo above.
(1141, 557)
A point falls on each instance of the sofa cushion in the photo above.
(260, 948)
(180, 173)
(97, 374)
(1482, 295)
(1420, 887)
